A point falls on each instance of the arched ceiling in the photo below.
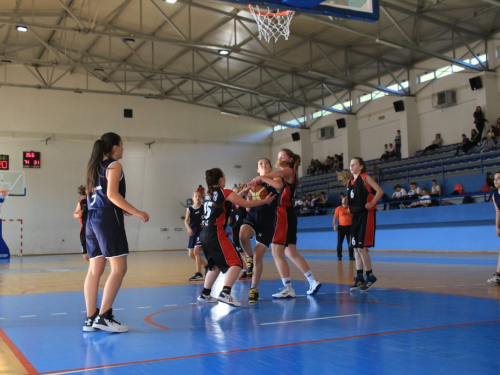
(159, 50)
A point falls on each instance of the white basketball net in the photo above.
(272, 25)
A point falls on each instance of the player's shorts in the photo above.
(263, 234)
(285, 228)
(218, 248)
(363, 230)
(235, 234)
(194, 239)
(83, 239)
(106, 234)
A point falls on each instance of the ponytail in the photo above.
(102, 147)
(212, 177)
(294, 164)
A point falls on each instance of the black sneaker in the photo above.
(197, 277)
(106, 322)
(243, 276)
(253, 295)
(249, 266)
(359, 281)
(87, 325)
(370, 280)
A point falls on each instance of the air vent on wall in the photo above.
(444, 99)
(325, 133)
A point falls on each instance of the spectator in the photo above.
(311, 170)
(321, 204)
(201, 190)
(479, 120)
(492, 132)
(309, 197)
(341, 161)
(376, 173)
(391, 150)
(436, 189)
(415, 192)
(319, 166)
(328, 164)
(299, 202)
(343, 217)
(497, 132)
(314, 201)
(399, 194)
(397, 143)
(488, 143)
(474, 138)
(336, 163)
(385, 155)
(304, 210)
(464, 146)
(489, 185)
(437, 142)
(424, 201)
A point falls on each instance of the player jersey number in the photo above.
(207, 208)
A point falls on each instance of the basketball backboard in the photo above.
(13, 181)
(362, 10)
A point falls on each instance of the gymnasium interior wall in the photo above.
(188, 141)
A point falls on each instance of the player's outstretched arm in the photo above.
(234, 198)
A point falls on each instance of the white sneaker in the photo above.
(285, 292)
(206, 299)
(106, 322)
(229, 299)
(495, 279)
(314, 287)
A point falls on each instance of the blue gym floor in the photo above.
(382, 331)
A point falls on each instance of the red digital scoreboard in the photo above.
(31, 159)
(4, 162)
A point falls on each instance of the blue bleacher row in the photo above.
(441, 163)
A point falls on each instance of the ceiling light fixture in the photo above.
(389, 44)
(129, 40)
(171, 1)
(224, 52)
(229, 114)
(21, 28)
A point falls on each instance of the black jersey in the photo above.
(195, 216)
(265, 215)
(359, 193)
(85, 210)
(217, 209)
(496, 198)
(238, 214)
(287, 194)
(99, 200)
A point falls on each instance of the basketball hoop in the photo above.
(3, 196)
(272, 25)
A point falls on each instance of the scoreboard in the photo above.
(31, 159)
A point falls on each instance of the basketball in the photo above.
(257, 193)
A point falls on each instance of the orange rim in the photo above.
(4, 192)
(270, 14)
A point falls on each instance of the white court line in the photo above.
(143, 307)
(2, 318)
(83, 312)
(121, 308)
(440, 286)
(27, 316)
(419, 287)
(305, 320)
(479, 284)
(58, 314)
(319, 294)
(300, 295)
(193, 303)
(169, 305)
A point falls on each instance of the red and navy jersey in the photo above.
(195, 216)
(265, 215)
(359, 193)
(217, 209)
(285, 198)
(85, 209)
(98, 200)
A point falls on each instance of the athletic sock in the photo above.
(206, 292)
(226, 289)
(359, 272)
(254, 286)
(286, 281)
(368, 273)
(309, 276)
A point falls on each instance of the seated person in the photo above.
(314, 201)
(436, 189)
(328, 164)
(385, 155)
(488, 143)
(415, 192)
(437, 142)
(391, 150)
(304, 210)
(340, 158)
(311, 169)
(319, 166)
(399, 194)
(465, 145)
(299, 202)
(321, 203)
(424, 201)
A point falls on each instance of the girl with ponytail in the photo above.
(219, 250)
(285, 230)
(105, 234)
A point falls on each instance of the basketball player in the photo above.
(284, 241)
(259, 223)
(192, 221)
(219, 250)
(106, 238)
(81, 214)
(362, 204)
(496, 201)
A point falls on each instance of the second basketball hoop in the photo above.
(272, 24)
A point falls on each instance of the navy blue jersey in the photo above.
(218, 208)
(496, 196)
(238, 214)
(265, 215)
(195, 216)
(99, 199)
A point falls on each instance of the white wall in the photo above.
(189, 140)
